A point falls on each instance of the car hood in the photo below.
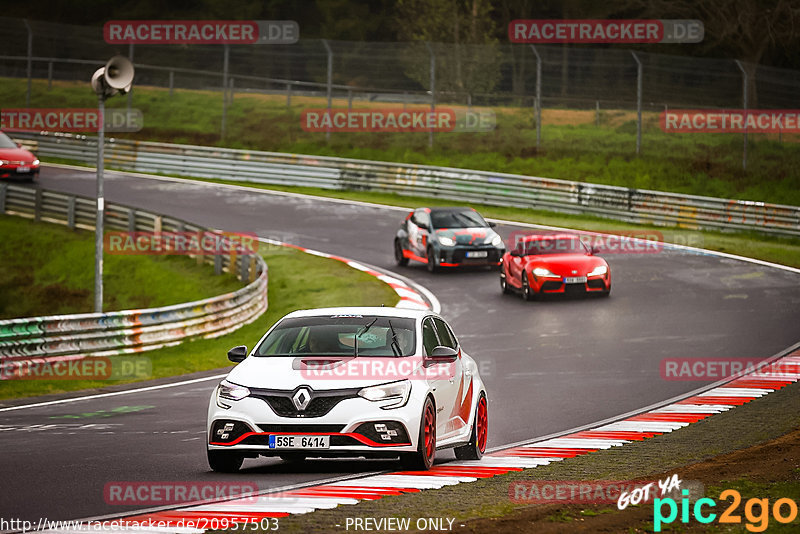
(565, 264)
(322, 372)
(469, 236)
(16, 154)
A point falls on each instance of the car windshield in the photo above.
(552, 245)
(457, 219)
(334, 335)
(6, 142)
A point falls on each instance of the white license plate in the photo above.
(575, 280)
(23, 169)
(477, 254)
(299, 442)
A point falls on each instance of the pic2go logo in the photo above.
(757, 522)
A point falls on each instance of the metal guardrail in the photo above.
(124, 332)
(631, 205)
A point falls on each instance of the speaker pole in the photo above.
(98, 236)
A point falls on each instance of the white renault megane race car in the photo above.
(350, 382)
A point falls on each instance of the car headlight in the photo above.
(497, 241)
(230, 391)
(35, 163)
(446, 241)
(3, 162)
(599, 270)
(397, 392)
(544, 273)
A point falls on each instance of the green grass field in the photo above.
(296, 281)
(573, 146)
(47, 269)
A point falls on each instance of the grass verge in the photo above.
(296, 281)
(573, 146)
(47, 269)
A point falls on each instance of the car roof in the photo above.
(380, 311)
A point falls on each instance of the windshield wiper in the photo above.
(395, 345)
(360, 333)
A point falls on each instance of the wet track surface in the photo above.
(549, 366)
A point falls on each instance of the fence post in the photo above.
(29, 68)
(217, 264)
(433, 88)
(597, 113)
(329, 85)
(744, 108)
(288, 95)
(71, 213)
(171, 81)
(244, 267)
(639, 73)
(538, 103)
(130, 91)
(226, 53)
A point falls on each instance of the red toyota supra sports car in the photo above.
(551, 264)
(447, 237)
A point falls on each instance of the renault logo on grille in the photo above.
(301, 399)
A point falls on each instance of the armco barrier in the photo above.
(63, 337)
(632, 205)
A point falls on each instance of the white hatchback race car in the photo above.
(350, 382)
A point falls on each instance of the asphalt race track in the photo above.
(549, 366)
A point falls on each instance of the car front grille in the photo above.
(321, 402)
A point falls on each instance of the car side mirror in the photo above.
(443, 354)
(237, 354)
(491, 224)
(516, 253)
(19, 145)
(424, 226)
(594, 250)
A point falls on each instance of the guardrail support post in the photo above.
(244, 268)
(538, 103)
(288, 95)
(71, 213)
(131, 220)
(744, 108)
(639, 73)
(217, 264)
(37, 205)
(3, 193)
(253, 268)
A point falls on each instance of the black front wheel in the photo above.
(527, 292)
(431, 257)
(401, 260)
